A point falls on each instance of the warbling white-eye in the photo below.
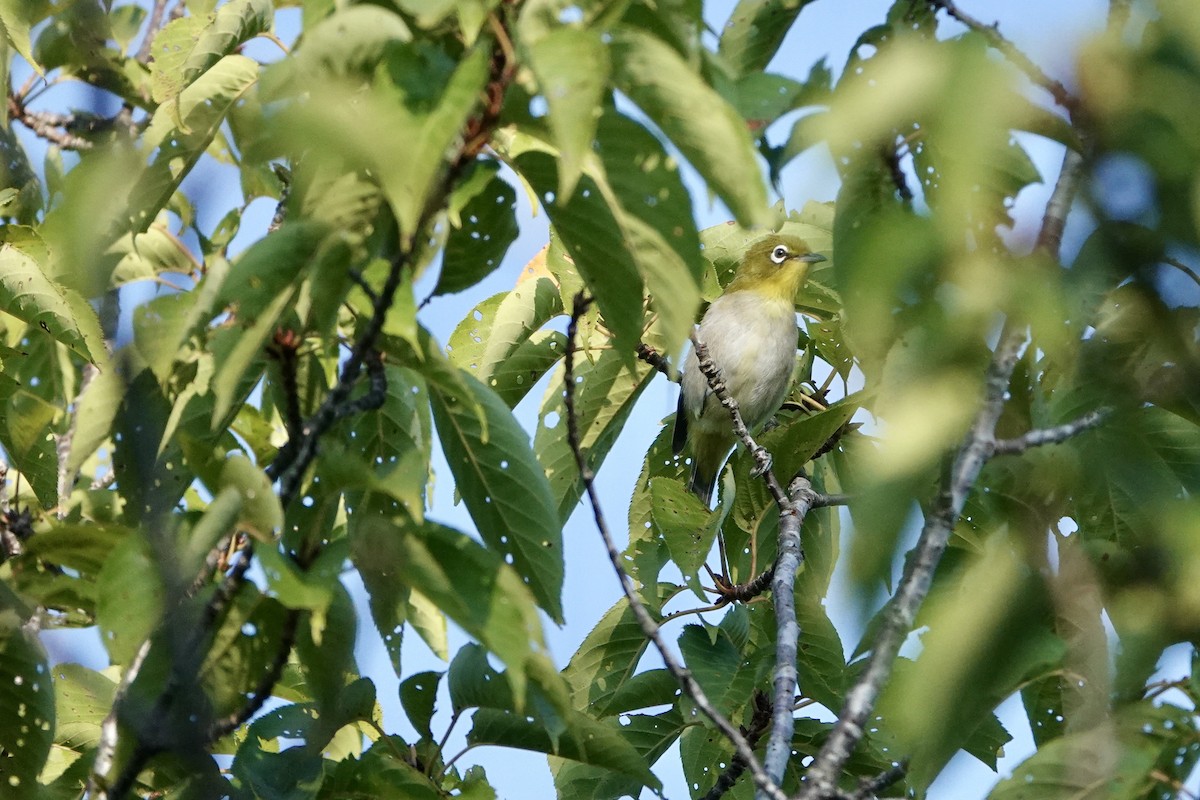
(750, 334)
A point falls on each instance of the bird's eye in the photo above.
(779, 254)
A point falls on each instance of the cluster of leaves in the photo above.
(145, 462)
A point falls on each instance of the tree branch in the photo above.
(152, 28)
(822, 778)
(1036, 74)
(654, 358)
(760, 721)
(649, 627)
(1049, 240)
(783, 594)
(1055, 435)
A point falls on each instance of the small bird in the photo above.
(750, 333)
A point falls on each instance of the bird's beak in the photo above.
(813, 258)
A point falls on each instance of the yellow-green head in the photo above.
(774, 266)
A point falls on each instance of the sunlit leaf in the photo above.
(504, 488)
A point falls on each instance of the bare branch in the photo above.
(152, 28)
(1055, 435)
(783, 594)
(822, 777)
(1021, 61)
(654, 358)
(649, 627)
(760, 721)
(1049, 240)
(976, 448)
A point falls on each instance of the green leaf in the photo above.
(420, 96)
(243, 649)
(820, 659)
(594, 242)
(129, 599)
(81, 548)
(650, 735)
(487, 225)
(261, 513)
(16, 20)
(572, 70)
(503, 487)
(474, 684)
(418, 694)
(28, 437)
(755, 30)
(85, 697)
(377, 552)
(684, 523)
(27, 705)
(727, 676)
(647, 553)
(188, 46)
(146, 255)
(795, 441)
(95, 413)
(378, 774)
(973, 657)
(606, 389)
(586, 741)
(29, 295)
(606, 659)
(1153, 747)
(180, 132)
(712, 136)
(476, 589)
(502, 341)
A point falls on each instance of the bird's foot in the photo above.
(762, 463)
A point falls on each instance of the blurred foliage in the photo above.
(396, 138)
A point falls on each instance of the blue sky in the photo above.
(1048, 30)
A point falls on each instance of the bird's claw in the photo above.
(763, 464)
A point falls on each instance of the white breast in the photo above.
(753, 341)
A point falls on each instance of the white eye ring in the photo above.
(779, 254)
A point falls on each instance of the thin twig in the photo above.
(654, 358)
(1055, 435)
(1036, 74)
(649, 628)
(760, 721)
(793, 506)
(828, 500)
(1184, 268)
(156, 18)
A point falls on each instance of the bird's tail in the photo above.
(708, 456)
(702, 484)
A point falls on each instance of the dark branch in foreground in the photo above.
(649, 627)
